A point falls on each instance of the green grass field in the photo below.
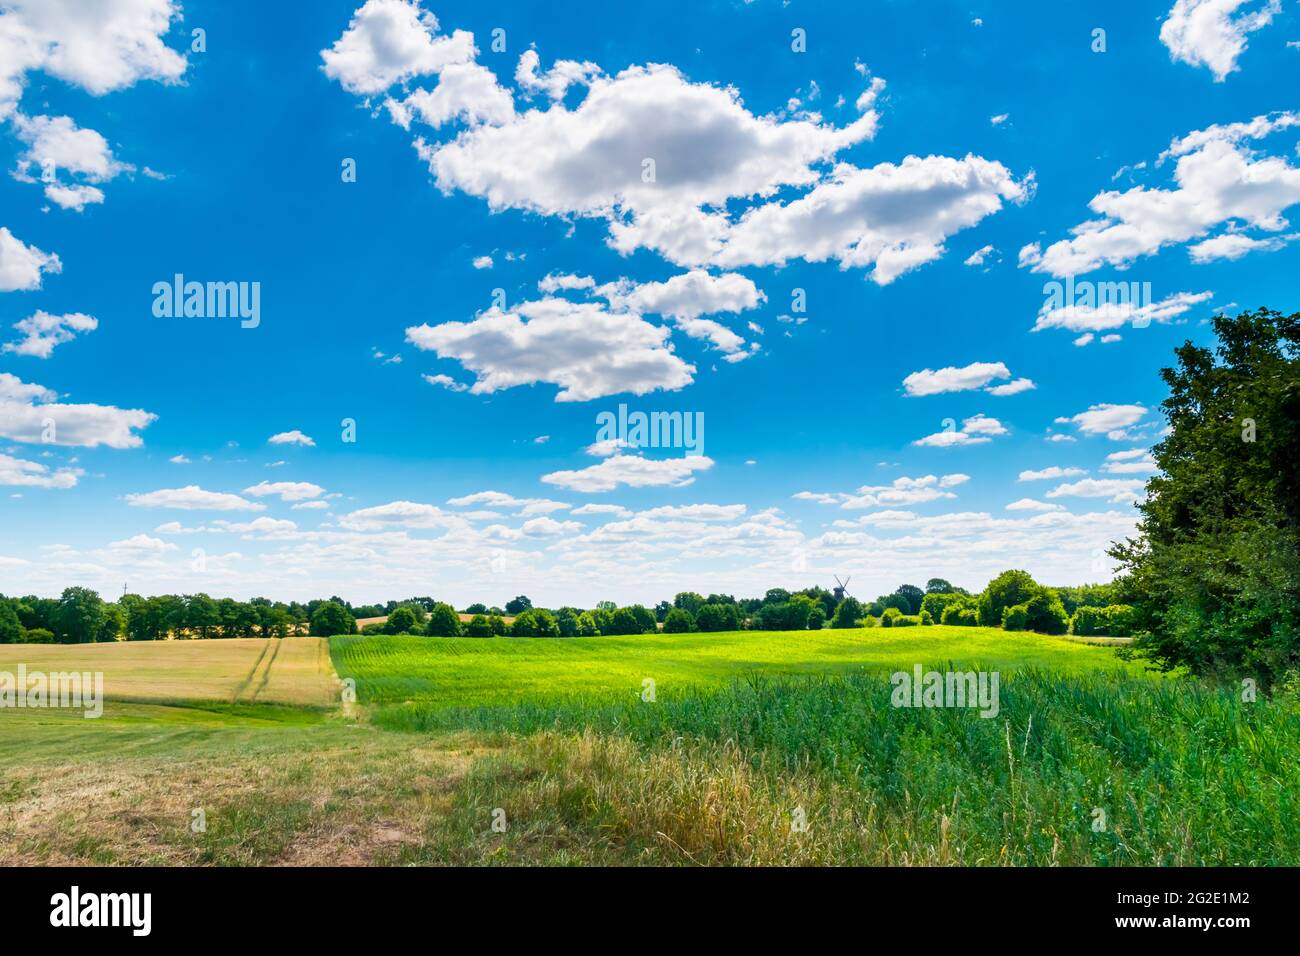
(492, 671)
(748, 735)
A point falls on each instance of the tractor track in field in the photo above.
(276, 644)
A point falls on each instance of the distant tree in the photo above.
(587, 626)
(679, 621)
(535, 622)
(1007, 589)
(518, 605)
(443, 622)
(718, 617)
(776, 596)
(938, 586)
(848, 614)
(914, 596)
(401, 621)
(816, 618)
(201, 615)
(80, 615)
(112, 625)
(566, 618)
(11, 629)
(609, 606)
(623, 621)
(476, 609)
(332, 618)
(689, 601)
(645, 619)
(1046, 613)
(661, 611)
(478, 626)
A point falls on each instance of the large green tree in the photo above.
(80, 615)
(1214, 573)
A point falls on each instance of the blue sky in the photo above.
(918, 171)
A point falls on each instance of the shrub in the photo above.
(479, 626)
(1015, 618)
(959, 615)
(907, 620)
(38, 635)
(869, 621)
(498, 624)
(678, 621)
(890, 617)
(443, 622)
(1088, 621)
(587, 625)
(926, 617)
(373, 628)
(816, 618)
(937, 603)
(1047, 614)
(1121, 620)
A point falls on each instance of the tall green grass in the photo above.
(1102, 768)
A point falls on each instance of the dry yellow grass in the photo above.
(264, 670)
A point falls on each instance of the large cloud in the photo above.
(583, 348)
(1218, 181)
(390, 41)
(1212, 33)
(21, 265)
(633, 471)
(101, 46)
(29, 413)
(684, 169)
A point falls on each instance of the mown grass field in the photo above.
(748, 735)
(268, 670)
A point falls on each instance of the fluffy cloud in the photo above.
(975, 430)
(391, 41)
(1218, 180)
(31, 474)
(42, 332)
(680, 168)
(286, 490)
(21, 265)
(1029, 504)
(1212, 33)
(1055, 471)
(556, 81)
(586, 350)
(193, 498)
(405, 514)
(294, 437)
(969, 377)
(29, 413)
(100, 47)
(891, 217)
(903, 491)
(633, 471)
(1134, 461)
(499, 499)
(55, 144)
(1116, 314)
(685, 298)
(1112, 421)
(1118, 490)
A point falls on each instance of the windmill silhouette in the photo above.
(843, 588)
